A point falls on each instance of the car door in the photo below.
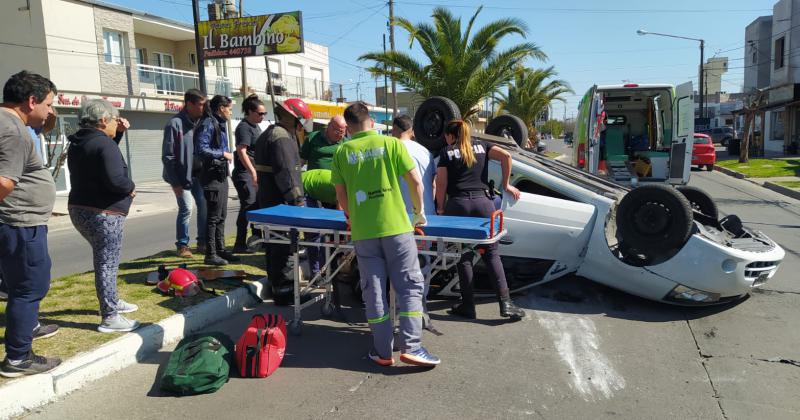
(683, 135)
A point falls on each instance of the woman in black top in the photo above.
(462, 174)
(245, 178)
(99, 201)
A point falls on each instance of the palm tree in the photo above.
(532, 92)
(463, 67)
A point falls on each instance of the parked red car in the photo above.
(703, 152)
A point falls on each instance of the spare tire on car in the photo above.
(700, 201)
(508, 126)
(654, 221)
(430, 120)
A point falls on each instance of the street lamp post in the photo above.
(701, 90)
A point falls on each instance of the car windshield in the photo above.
(701, 140)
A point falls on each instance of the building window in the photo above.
(141, 56)
(755, 57)
(193, 59)
(163, 60)
(112, 47)
(779, 52)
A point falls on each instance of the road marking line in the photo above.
(576, 340)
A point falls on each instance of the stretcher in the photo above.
(444, 240)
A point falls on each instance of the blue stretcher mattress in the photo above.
(318, 218)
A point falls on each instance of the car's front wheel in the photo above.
(430, 120)
(654, 221)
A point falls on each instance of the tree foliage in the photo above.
(462, 66)
(531, 93)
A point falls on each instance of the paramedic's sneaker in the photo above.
(118, 324)
(3, 296)
(44, 331)
(125, 307)
(420, 357)
(32, 365)
(373, 355)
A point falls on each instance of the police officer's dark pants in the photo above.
(25, 269)
(243, 182)
(477, 204)
(216, 193)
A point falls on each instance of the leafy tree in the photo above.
(553, 127)
(462, 66)
(531, 93)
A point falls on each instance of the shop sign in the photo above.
(279, 33)
(67, 100)
(326, 112)
(781, 94)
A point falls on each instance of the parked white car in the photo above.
(656, 241)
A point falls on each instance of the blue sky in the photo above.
(587, 41)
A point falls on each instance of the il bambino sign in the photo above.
(279, 33)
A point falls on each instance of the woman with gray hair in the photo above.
(99, 201)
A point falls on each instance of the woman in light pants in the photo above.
(99, 201)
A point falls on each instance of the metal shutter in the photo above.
(142, 145)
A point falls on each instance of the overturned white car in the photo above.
(655, 241)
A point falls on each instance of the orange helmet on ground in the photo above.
(300, 110)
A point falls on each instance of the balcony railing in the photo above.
(283, 85)
(167, 81)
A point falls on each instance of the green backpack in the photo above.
(200, 364)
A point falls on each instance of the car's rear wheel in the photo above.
(510, 127)
(430, 120)
(700, 201)
(654, 221)
(710, 167)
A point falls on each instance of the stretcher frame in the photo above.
(445, 251)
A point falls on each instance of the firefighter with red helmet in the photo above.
(277, 161)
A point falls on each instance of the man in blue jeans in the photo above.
(181, 171)
(27, 196)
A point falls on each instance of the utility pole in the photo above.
(702, 85)
(385, 83)
(391, 46)
(201, 67)
(244, 59)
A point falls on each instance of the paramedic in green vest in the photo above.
(366, 172)
(317, 152)
(318, 185)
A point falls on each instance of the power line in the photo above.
(588, 10)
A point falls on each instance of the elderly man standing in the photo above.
(366, 172)
(27, 196)
(318, 153)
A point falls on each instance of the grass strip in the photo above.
(764, 168)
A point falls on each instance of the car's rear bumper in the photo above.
(704, 159)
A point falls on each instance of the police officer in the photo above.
(277, 162)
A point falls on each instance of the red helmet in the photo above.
(299, 109)
(182, 281)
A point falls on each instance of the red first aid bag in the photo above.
(260, 350)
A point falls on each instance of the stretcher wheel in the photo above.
(296, 327)
(327, 309)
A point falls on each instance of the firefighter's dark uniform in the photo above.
(277, 161)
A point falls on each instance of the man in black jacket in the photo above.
(278, 165)
(181, 170)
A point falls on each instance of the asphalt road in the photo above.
(584, 351)
(143, 236)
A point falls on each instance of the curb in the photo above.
(21, 395)
(788, 192)
(729, 172)
(782, 190)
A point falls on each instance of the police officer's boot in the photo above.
(509, 310)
